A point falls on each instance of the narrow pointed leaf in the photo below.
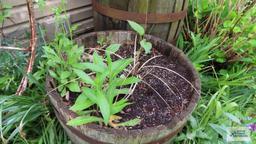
(91, 94)
(120, 65)
(132, 122)
(104, 107)
(119, 106)
(127, 81)
(82, 103)
(83, 120)
(84, 77)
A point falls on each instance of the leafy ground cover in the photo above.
(218, 37)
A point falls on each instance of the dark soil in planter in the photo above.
(155, 108)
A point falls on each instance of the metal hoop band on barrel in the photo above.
(152, 18)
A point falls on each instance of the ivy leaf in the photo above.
(85, 77)
(74, 86)
(147, 46)
(137, 27)
(132, 122)
(83, 120)
(82, 102)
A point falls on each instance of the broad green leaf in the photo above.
(127, 81)
(132, 122)
(237, 29)
(218, 109)
(219, 129)
(53, 74)
(74, 86)
(233, 118)
(91, 94)
(80, 66)
(102, 102)
(193, 122)
(113, 48)
(85, 77)
(136, 27)
(90, 66)
(48, 50)
(100, 78)
(227, 24)
(83, 120)
(64, 74)
(82, 103)
(147, 46)
(202, 135)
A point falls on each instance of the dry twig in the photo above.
(32, 48)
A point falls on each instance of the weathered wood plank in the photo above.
(82, 17)
(20, 15)
(166, 31)
(174, 26)
(163, 6)
(181, 24)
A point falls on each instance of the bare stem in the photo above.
(32, 48)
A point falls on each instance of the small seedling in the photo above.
(147, 46)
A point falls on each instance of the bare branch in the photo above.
(23, 85)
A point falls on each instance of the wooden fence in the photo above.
(78, 11)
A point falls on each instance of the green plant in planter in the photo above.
(60, 56)
(98, 79)
(102, 88)
(147, 46)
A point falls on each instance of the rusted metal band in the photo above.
(153, 18)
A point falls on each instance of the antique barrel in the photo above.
(163, 18)
(96, 134)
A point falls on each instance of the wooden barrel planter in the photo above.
(164, 18)
(184, 81)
